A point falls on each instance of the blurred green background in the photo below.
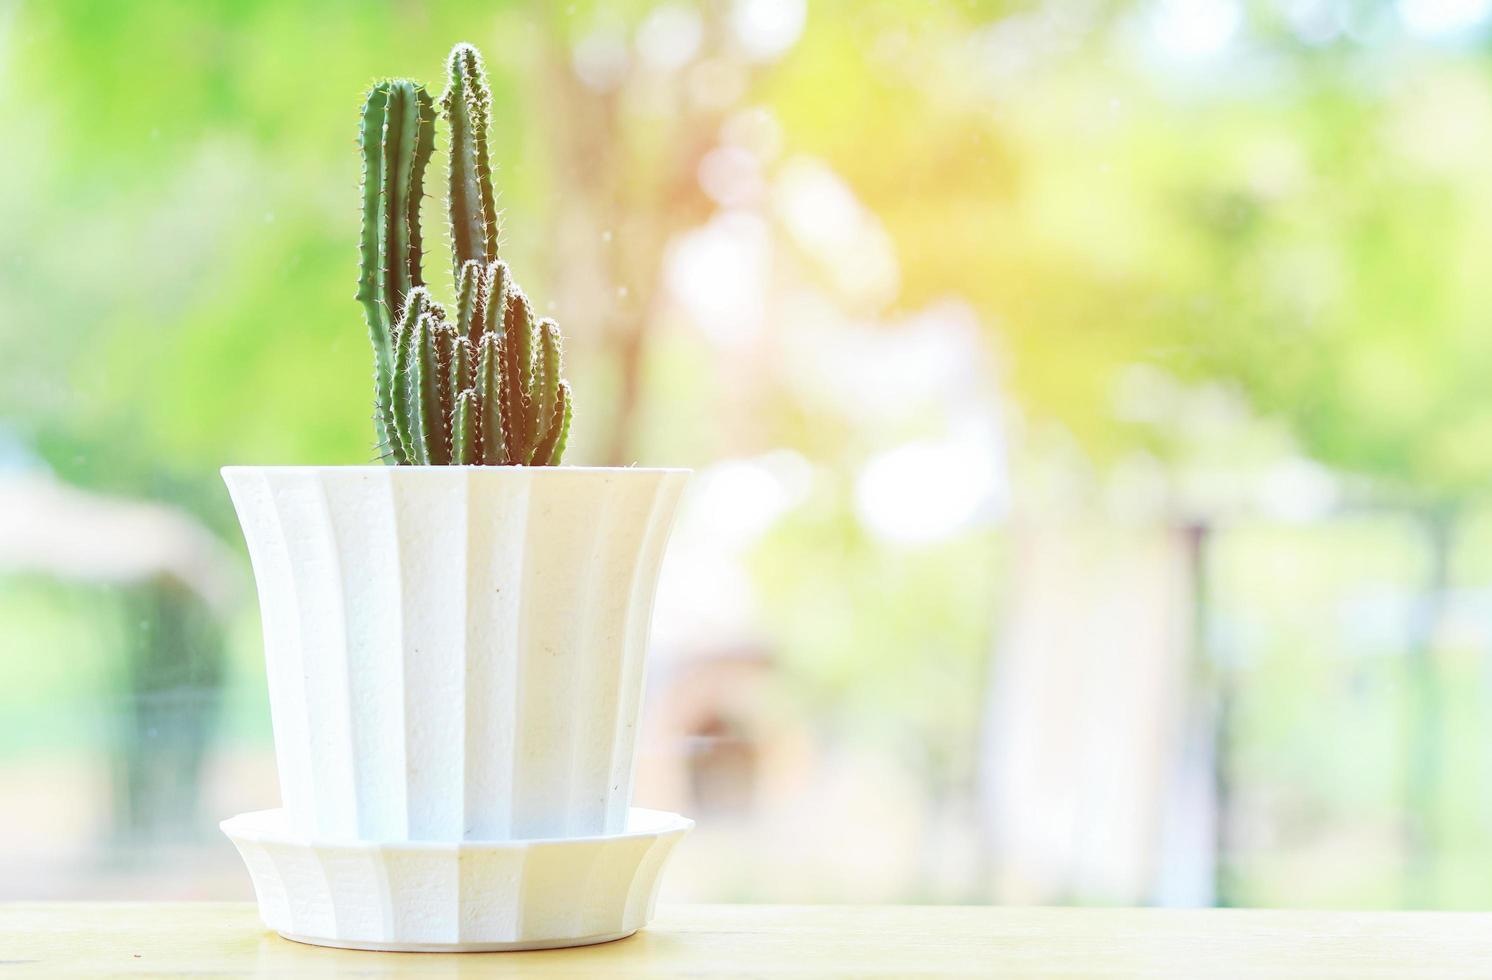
(1090, 403)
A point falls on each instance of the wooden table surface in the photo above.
(226, 939)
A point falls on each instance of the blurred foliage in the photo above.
(1304, 224)
(1298, 224)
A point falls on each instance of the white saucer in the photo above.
(473, 896)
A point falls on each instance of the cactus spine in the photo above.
(485, 386)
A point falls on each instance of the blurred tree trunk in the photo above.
(1213, 698)
(172, 693)
(1422, 757)
(625, 184)
(1090, 712)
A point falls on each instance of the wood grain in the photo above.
(226, 939)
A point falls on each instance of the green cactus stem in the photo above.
(472, 203)
(397, 135)
(518, 374)
(489, 388)
(405, 408)
(425, 379)
(471, 301)
(534, 404)
(408, 415)
(564, 429)
(447, 343)
(510, 407)
(466, 431)
(547, 371)
(552, 445)
(461, 366)
(499, 284)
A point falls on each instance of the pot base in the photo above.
(471, 896)
(458, 947)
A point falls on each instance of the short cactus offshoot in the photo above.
(481, 385)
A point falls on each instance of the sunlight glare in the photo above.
(924, 492)
(1192, 30)
(767, 28)
(1441, 18)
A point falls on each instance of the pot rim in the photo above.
(454, 467)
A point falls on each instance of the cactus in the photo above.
(483, 386)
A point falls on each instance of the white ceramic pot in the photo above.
(455, 653)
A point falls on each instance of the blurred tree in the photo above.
(1276, 218)
(625, 135)
(1336, 251)
(169, 709)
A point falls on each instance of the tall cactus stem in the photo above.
(424, 147)
(473, 207)
(370, 136)
(397, 134)
(408, 140)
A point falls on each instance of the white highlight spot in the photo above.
(1442, 18)
(923, 491)
(1191, 30)
(669, 37)
(767, 28)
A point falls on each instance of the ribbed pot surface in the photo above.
(455, 653)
